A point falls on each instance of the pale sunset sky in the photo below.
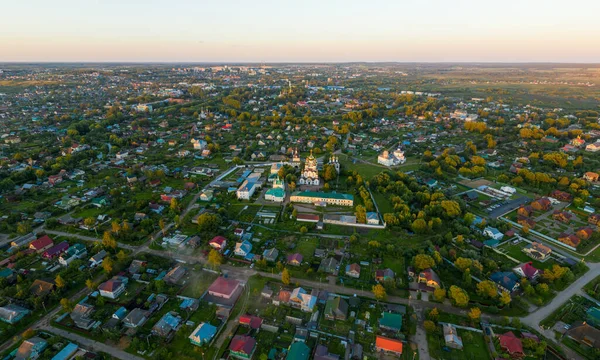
(300, 31)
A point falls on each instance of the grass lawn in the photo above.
(197, 283)
(474, 346)
(516, 252)
(383, 203)
(307, 247)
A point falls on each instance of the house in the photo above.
(81, 316)
(593, 316)
(41, 288)
(322, 353)
(525, 221)
(298, 350)
(525, 211)
(11, 313)
(77, 251)
(541, 204)
(203, 334)
(561, 195)
(136, 265)
(120, 313)
(353, 270)
(329, 265)
(243, 248)
(136, 318)
(493, 233)
(429, 278)
(511, 344)
(41, 244)
(591, 176)
(98, 258)
(224, 288)
(537, 251)
(384, 275)
(526, 270)
(271, 255)
(594, 219)
(298, 298)
(313, 197)
(167, 324)
(207, 195)
(68, 352)
(562, 216)
(388, 346)
(451, 337)
(593, 147)
(218, 242)
(56, 250)
(336, 309)
(584, 334)
(584, 233)
(295, 259)
(254, 322)
(113, 288)
(31, 348)
(569, 239)
(391, 322)
(506, 281)
(175, 274)
(242, 347)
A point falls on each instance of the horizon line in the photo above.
(299, 62)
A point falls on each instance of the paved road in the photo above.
(420, 338)
(93, 345)
(86, 238)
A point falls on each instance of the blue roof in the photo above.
(491, 242)
(249, 256)
(505, 279)
(186, 303)
(66, 352)
(205, 332)
(121, 312)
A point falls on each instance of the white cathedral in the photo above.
(310, 174)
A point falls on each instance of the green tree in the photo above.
(458, 296)
(214, 258)
(59, 282)
(66, 304)
(429, 326)
(285, 277)
(422, 262)
(107, 264)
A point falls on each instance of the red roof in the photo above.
(297, 257)
(253, 321)
(110, 285)
(56, 250)
(309, 217)
(41, 243)
(284, 296)
(511, 343)
(528, 270)
(386, 344)
(217, 240)
(242, 344)
(224, 286)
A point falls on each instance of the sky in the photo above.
(300, 31)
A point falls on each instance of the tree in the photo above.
(475, 314)
(90, 284)
(89, 222)
(115, 226)
(108, 241)
(121, 256)
(23, 228)
(285, 277)
(361, 214)
(429, 326)
(505, 298)
(174, 204)
(379, 292)
(439, 294)
(303, 229)
(543, 289)
(433, 314)
(419, 226)
(162, 225)
(208, 222)
(66, 304)
(107, 264)
(458, 296)
(214, 258)
(422, 262)
(463, 263)
(59, 282)
(487, 288)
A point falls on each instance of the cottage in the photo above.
(218, 242)
(542, 204)
(526, 270)
(584, 233)
(329, 265)
(295, 259)
(81, 316)
(41, 288)
(12, 313)
(31, 348)
(506, 281)
(562, 216)
(336, 309)
(243, 248)
(203, 334)
(298, 350)
(271, 255)
(388, 346)
(41, 244)
(451, 337)
(136, 318)
(353, 270)
(511, 344)
(168, 324)
(56, 250)
(175, 274)
(429, 278)
(254, 322)
(594, 219)
(384, 275)
(569, 239)
(242, 347)
(113, 288)
(391, 322)
(493, 233)
(537, 251)
(584, 334)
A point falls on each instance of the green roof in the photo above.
(298, 351)
(593, 315)
(391, 321)
(5, 273)
(323, 195)
(277, 192)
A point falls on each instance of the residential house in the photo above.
(388, 346)
(254, 322)
(168, 324)
(81, 315)
(584, 233)
(594, 219)
(298, 350)
(224, 293)
(41, 288)
(336, 309)
(218, 242)
(525, 211)
(391, 322)
(353, 270)
(429, 278)
(31, 348)
(329, 265)
(584, 334)
(562, 216)
(42, 244)
(113, 288)
(322, 353)
(11, 313)
(506, 281)
(511, 344)
(561, 195)
(175, 274)
(569, 239)
(537, 251)
(526, 270)
(98, 258)
(525, 221)
(593, 316)
(243, 248)
(242, 347)
(451, 338)
(541, 204)
(271, 255)
(203, 334)
(56, 250)
(77, 251)
(300, 299)
(591, 176)
(295, 259)
(136, 318)
(384, 275)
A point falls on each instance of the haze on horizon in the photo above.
(307, 31)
